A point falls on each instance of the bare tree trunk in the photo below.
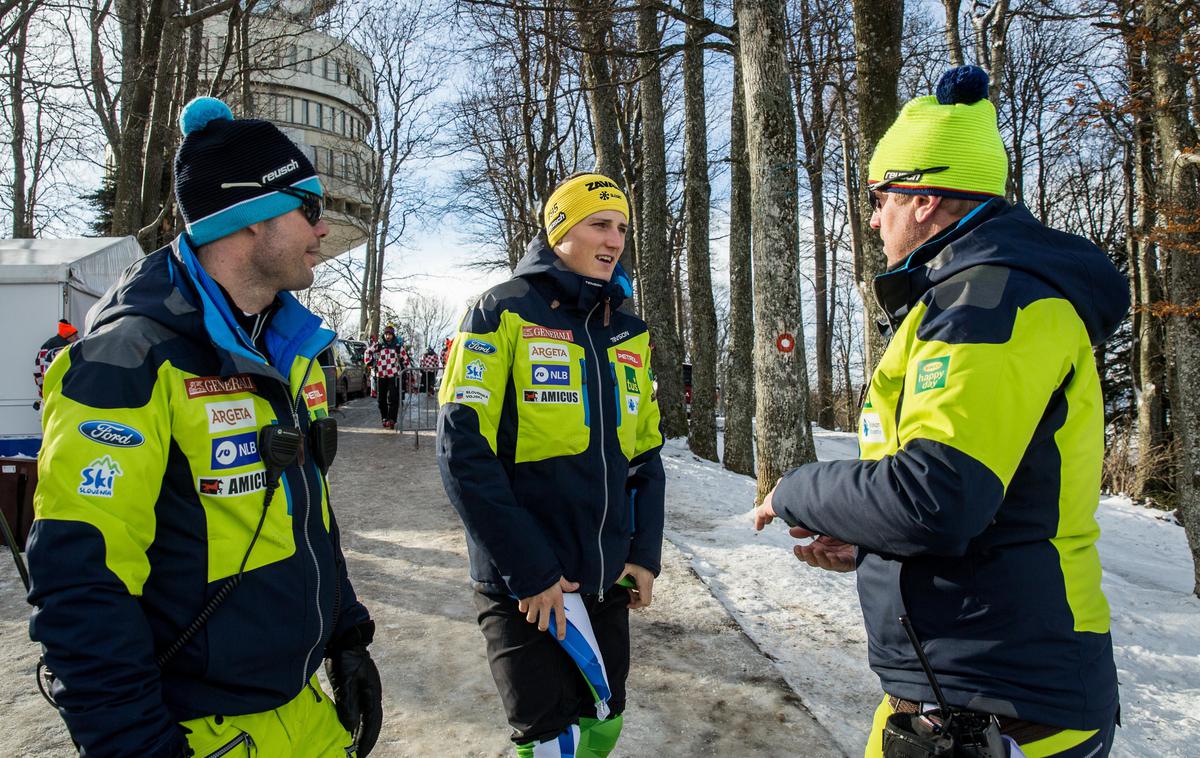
(781, 381)
(137, 90)
(22, 216)
(991, 42)
(654, 253)
(1151, 368)
(1178, 203)
(953, 39)
(593, 18)
(878, 26)
(702, 429)
(155, 184)
(738, 387)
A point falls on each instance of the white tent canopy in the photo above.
(41, 281)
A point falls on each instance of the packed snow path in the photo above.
(809, 620)
(699, 687)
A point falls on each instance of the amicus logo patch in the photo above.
(99, 478)
(628, 358)
(202, 386)
(549, 352)
(549, 374)
(234, 451)
(541, 332)
(232, 486)
(111, 433)
(479, 346)
(561, 397)
(230, 415)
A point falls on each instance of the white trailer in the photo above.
(41, 281)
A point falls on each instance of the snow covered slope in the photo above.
(809, 621)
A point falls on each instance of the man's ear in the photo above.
(925, 206)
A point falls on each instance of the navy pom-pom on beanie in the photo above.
(965, 85)
(219, 149)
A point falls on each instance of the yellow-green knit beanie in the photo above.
(945, 144)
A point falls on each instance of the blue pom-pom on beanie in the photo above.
(963, 85)
(197, 114)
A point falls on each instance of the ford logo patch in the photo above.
(479, 346)
(111, 433)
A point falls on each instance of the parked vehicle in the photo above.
(345, 372)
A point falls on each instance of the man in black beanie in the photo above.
(186, 567)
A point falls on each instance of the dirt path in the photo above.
(698, 686)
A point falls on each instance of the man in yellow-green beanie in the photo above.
(971, 512)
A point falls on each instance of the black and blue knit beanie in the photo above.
(219, 149)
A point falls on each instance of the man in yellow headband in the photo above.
(548, 442)
(972, 510)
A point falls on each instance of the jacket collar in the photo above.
(580, 293)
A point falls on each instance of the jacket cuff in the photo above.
(359, 635)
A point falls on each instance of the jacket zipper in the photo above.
(242, 739)
(307, 537)
(603, 458)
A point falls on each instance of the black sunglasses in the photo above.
(876, 202)
(312, 205)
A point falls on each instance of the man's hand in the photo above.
(825, 552)
(765, 513)
(642, 592)
(357, 695)
(537, 608)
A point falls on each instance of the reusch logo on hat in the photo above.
(283, 170)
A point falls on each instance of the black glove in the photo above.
(357, 691)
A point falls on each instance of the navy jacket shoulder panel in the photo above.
(979, 305)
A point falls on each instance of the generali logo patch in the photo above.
(628, 358)
(314, 395)
(231, 414)
(541, 332)
(204, 386)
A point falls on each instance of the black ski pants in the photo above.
(388, 389)
(542, 689)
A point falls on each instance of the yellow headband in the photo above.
(579, 198)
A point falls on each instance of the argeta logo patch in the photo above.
(230, 415)
(549, 352)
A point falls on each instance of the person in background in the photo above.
(65, 335)
(186, 567)
(972, 510)
(429, 367)
(386, 359)
(548, 443)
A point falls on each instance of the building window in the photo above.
(289, 56)
(306, 63)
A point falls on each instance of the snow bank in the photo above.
(808, 621)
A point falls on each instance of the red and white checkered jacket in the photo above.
(387, 360)
(429, 361)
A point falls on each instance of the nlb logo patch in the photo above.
(314, 395)
(549, 351)
(203, 386)
(544, 374)
(99, 478)
(230, 415)
(472, 395)
(479, 346)
(931, 374)
(111, 433)
(871, 428)
(629, 359)
(561, 397)
(542, 332)
(238, 450)
(232, 486)
(474, 371)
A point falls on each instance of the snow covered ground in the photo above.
(809, 622)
